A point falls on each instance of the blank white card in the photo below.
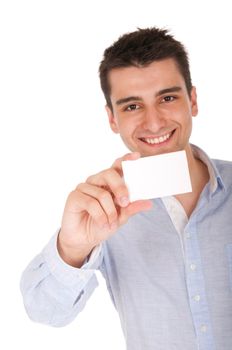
(157, 176)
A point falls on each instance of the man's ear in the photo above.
(194, 105)
(112, 120)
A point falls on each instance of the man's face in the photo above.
(152, 110)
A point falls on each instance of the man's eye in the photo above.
(168, 99)
(132, 107)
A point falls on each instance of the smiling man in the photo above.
(167, 262)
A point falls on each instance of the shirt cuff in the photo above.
(67, 274)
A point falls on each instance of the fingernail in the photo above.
(124, 201)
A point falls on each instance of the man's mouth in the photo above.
(157, 140)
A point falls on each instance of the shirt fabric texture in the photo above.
(169, 277)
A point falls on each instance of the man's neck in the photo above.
(199, 177)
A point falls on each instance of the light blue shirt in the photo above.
(169, 277)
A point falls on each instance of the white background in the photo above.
(54, 131)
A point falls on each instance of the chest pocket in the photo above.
(229, 254)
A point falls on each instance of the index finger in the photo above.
(117, 165)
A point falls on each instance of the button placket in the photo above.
(195, 285)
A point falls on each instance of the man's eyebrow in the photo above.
(168, 90)
(138, 98)
(128, 99)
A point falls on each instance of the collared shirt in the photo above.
(169, 277)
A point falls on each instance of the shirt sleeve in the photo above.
(55, 292)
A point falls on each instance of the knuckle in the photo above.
(109, 172)
(100, 219)
(79, 187)
(72, 195)
(90, 179)
(113, 216)
(103, 196)
(91, 204)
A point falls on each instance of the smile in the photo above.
(157, 140)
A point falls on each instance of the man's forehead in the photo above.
(165, 71)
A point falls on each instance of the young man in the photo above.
(168, 261)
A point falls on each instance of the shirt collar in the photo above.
(215, 178)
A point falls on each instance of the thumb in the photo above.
(134, 208)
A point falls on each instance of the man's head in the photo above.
(139, 49)
(150, 98)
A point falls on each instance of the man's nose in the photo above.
(153, 120)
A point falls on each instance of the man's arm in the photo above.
(56, 285)
(54, 292)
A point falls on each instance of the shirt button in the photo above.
(197, 298)
(193, 267)
(187, 235)
(203, 328)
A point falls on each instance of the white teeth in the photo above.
(157, 140)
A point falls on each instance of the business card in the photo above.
(157, 176)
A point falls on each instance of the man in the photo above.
(167, 261)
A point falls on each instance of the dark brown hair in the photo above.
(140, 48)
